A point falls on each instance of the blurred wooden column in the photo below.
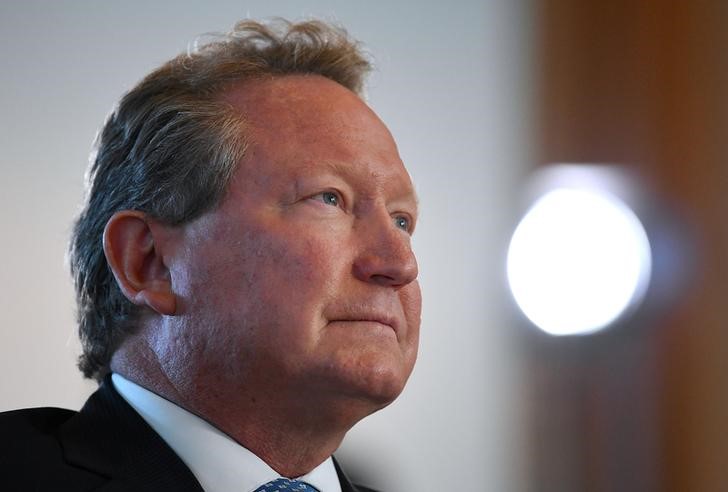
(645, 83)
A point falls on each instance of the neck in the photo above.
(288, 432)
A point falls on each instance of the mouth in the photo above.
(371, 322)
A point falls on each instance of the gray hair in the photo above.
(171, 146)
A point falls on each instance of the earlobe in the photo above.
(134, 255)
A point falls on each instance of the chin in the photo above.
(382, 394)
(377, 382)
(365, 378)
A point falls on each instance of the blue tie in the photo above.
(286, 485)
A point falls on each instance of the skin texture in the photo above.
(292, 310)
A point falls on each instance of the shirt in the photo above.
(218, 462)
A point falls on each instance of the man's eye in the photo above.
(402, 222)
(330, 198)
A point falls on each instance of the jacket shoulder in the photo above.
(31, 455)
(39, 418)
(25, 432)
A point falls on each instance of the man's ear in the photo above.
(136, 261)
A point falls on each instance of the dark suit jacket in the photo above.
(105, 447)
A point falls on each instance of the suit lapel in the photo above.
(109, 438)
(346, 484)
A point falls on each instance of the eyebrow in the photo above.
(411, 197)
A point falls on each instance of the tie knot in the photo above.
(286, 485)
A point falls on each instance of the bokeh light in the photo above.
(578, 260)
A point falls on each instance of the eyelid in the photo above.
(339, 197)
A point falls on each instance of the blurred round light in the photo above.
(577, 260)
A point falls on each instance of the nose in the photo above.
(386, 257)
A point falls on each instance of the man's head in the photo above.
(171, 146)
(283, 273)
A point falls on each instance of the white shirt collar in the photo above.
(219, 463)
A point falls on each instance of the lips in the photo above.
(379, 318)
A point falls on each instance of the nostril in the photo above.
(383, 280)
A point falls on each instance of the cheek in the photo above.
(256, 274)
(270, 273)
(296, 265)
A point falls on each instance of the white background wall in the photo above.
(453, 85)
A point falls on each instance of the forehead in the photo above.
(302, 123)
(293, 100)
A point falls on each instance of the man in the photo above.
(246, 286)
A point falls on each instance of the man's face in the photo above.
(303, 280)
